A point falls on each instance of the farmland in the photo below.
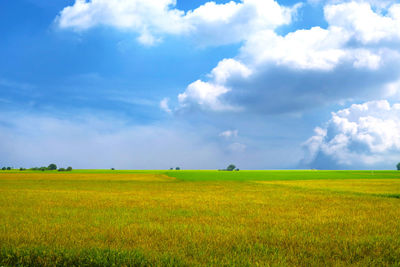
(180, 218)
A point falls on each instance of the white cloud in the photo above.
(366, 25)
(146, 17)
(227, 68)
(207, 94)
(232, 22)
(209, 24)
(315, 48)
(363, 135)
(164, 105)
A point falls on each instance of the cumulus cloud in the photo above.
(365, 25)
(146, 17)
(209, 24)
(217, 24)
(208, 94)
(366, 135)
(204, 95)
(355, 57)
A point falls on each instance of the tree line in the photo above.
(51, 167)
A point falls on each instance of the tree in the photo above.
(4, 168)
(52, 167)
(177, 168)
(69, 169)
(231, 167)
(398, 166)
(112, 169)
(9, 168)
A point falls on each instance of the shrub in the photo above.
(9, 168)
(4, 168)
(69, 169)
(61, 170)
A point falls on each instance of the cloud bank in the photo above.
(355, 57)
(365, 135)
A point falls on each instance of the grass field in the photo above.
(181, 218)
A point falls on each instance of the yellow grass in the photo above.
(204, 223)
(58, 176)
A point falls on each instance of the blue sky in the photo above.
(156, 84)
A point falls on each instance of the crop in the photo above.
(177, 218)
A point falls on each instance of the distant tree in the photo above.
(171, 169)
(52, 167)
(4, 168)
(398, 166)
(22, 169)
(112, 169)
(35, 169)
(43, 169)
(69, 169)
(231, 167)
(177, 168)
(9, 168)
(237, 170)
(61, 170)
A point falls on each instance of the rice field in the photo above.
(200, 218)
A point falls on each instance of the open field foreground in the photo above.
(180, 218)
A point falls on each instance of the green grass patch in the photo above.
(279, 175)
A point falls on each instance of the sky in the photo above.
(155, 84)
